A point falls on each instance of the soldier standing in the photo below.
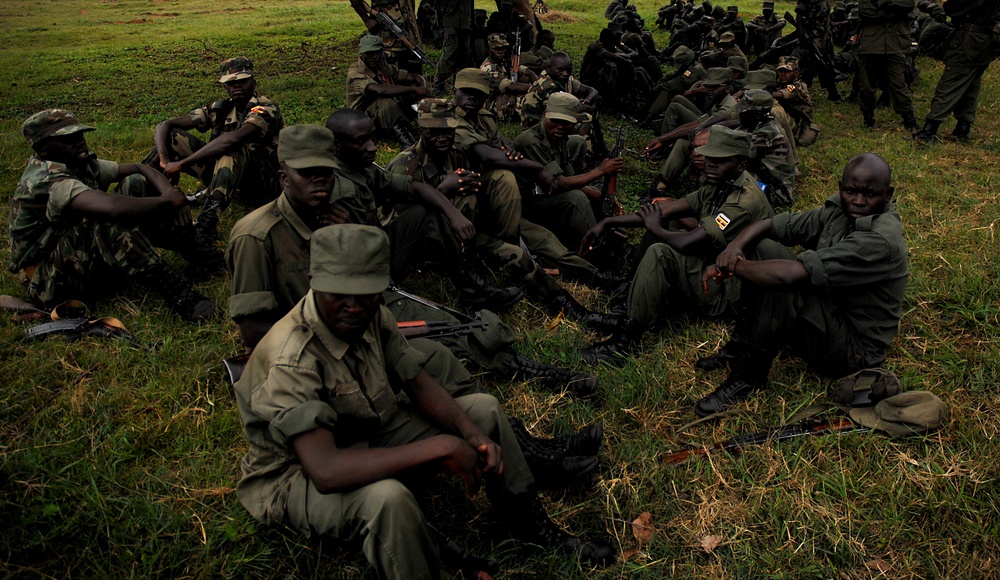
(816, 44)
(883, 55)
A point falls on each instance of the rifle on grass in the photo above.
(439, 328)
(390, 25)
(609, 200)
(735, 445)
(515, 56)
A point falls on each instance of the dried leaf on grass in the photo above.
(710, 543)
(642, 528)
(629, 554)
(554, 323)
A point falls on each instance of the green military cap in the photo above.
(236, 69)
(682, 55)
(349, 259)
(370, 43)
(436, 114)
(737, 63)
(733, 9)
(726, 142)
(497, 40)
(301, 146)
(909, 413)
(757, 100)
(621, 19)
(727, 36)
(718, 76)
(769, 4)
(761, 79)
(788, 63)
(473, 78)
(51, 123)
(563, 107)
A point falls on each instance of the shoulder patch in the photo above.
(259, 109)
(791, 88)
(687, 73)
(722, 220)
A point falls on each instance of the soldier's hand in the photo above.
(547, 181)
(463, 460)
(176, 197)
(490, 457)
(462, 227)
(182, 218)
(651, 217)
(653, 147)
(469, 181)
(711, 273)
(421, 92)
(171, 168)
(727, 259)
(591, 237)
(333, 214)
(609, 165)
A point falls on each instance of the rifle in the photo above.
(428, 303)
(390, 25)
(781, 47)
(609, 202)
(515, 56)
(816, 45)
(439, 328)
(735, 445)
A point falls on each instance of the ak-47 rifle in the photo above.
(801, 429)
(609, 201)
(386, 22)
(783, 46)
(515, 56)
(818, 52)
(439, 328)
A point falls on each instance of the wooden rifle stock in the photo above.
(439, 328)
(609, 201)
(515, 57)
(735, 445)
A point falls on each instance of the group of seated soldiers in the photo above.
(336, 404)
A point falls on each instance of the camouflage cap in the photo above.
(236, 69)
(682, 55)
(761, 79)
(905, 414)
(370, 43)
(436, 114)
(497, 40)
(301, 146)
(349, 259)
(725, 142)
(562, 107)
(757, 100)
(718, 76)
(788, 63)
(727, 36)
(473, 78)
(51, 123)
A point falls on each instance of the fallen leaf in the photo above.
(881, 565)
(642, 528)
(710, 543)
(628, 554)
(554, 324)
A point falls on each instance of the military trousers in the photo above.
(887, 71)
(454, 53)
(499, 212)
(957, 93)
(804, 319)
(667, 280)
(679, 112)
(677, 160)
(567, 214)
(386, 113)
(385, 516)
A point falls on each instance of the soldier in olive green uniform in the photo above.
(773, 163)
(793, 96)
(883, 56)
(69, 239)
(240, 153)
(816, 44)
(382, 90)
(506, 86)
(566, 210)
(456, 20)
(677, 83)
(329, 437)
(671, 271)
(763, 30)
(837, 303)
(970, 52)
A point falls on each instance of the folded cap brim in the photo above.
(350, 284)
(756, 87)
(869, 417)
(237, 76)
(448, 123)
(716, 151)
(561, 117)
(309, 161)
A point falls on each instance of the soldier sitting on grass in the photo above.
(70, 239)
(240, 154)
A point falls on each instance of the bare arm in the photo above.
(607, 167)
(162, 136)
(433, 198)
(218, 146)
(359, 7)
(99, 205)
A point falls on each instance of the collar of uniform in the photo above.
(336, 347)
(84, 172)
(234, 116)
(288, 212)
(424, 160)
(865, 223)
(357, 176)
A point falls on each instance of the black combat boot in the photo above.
(910, 123)
(401, 131)
(184, 300)
(722, 358)
(528, 522)
(476, 293)
(928, 133)
(205, 261)
(207, 225)
(559, 462)
(554, 378)
(749, 374)
(869, 120)
(962, 130)
(547, 292)
(618, 347)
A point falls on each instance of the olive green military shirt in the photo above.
(359, 77)
(301, 377)
(860, 265)
(268, 259)
(38, 210)
(887, 31)
(561, 158)
(725, 211)
(484, 130)
(362, 191)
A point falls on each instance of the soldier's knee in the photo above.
(483, 409)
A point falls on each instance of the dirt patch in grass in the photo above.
(556, 16)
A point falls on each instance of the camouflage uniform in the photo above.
(797, 103)
(532, 105)
(385, 112)
(61, 254)
(404, 14)
(501, 102)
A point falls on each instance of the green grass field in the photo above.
(118, 462)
